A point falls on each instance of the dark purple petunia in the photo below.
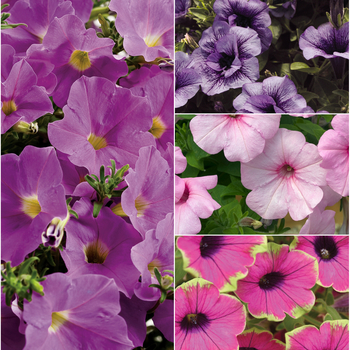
(187, 80)
(273, 95)
(225, 57)
(252, 14)
(283, 8)
(181, 8)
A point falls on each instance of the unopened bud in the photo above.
(191, 42)
(167, 281)
(26, 128)
(53, 234)
(247, 221)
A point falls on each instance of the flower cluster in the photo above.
(261, 56)
(87, 174)
(291, 164)
(281, 284)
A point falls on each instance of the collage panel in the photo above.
(255, 56)
(262, 292)
(261, 174)
(87, 204)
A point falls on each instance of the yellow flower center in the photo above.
(31, 206)
(97, 141)
(96, 252)
(80, 60)
(9, 107)
(141, 205)
(155, 263)
(152, 40)
(58, 320)
(158, 128)
(118, 210)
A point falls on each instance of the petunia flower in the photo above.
(332, 253)
(164, 319)
(37, 15)
(207, 257)
(32, 196)
(273, 95)
(279, 283)
(79, 312)
(181, 8)
(319, 223)
(102, 122)
(334, 149)
(180, 161)
(101, 246)
(149, 196)
(21, 98)
(258, 339)
(286, 177)
(252, 14)
(206, 319)
(285, 9)
(242, 137)
(146, 26)
(225, 58)
(187, 79)
(76, 52)
(192, 201)
(331, 335)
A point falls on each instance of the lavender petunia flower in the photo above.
(164, 319)
(181, 8)
(37, 15)
(225, 57)
(273, 95)
(101, 246)
(155, 251)
(76, 52)
(21, 98)
(252, 14)
(102, 122)
(146, 26)
(32, 195)
(285, 9)
(149, 197)
(187, 79)
(82, 8)
(76, 313)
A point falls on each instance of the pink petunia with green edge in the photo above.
(206, 319)
(208, 257)
(279, 283)
(332, 253)
(257, 339)
(333, 335)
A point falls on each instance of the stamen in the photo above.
(325, 254)
(152, 40)
(97, 142)
(58, 320)
(9, 107)
(158, 128)
(141, 205)
(31, 206)
(80, 60)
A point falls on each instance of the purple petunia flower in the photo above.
(331, 335)
(187, 79)
(181, 8)
(252, 14)
(21, 98)
(76, 52)
(102, 122)
(225, 57)
(76, 312)
(164, 319)
(101, 246)
(273, 95)
(332, 253)
(283, 8)
(207, 257)
(279, 282)
(206, 319)
(32, 196)
(146, 26)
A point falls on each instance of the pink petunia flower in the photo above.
(319, 223)
(180, 161)
(259, 340)
(286, 177)
(332, 253)
(207, 257)
(278, 283)
(332, 335)
(192, 201)
(242, 137)
(146, 26)
(334, 149)
(206, 319)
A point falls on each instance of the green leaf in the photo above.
(298, 65)
(200, 13)
(276, 29)
(158, 275)
(97, 208)
(232, 168)
(333, 312)
(342, 93)
(290, 323)
(309, 127)
(329, 297)
(193, 161)
(308, 95)
(26, 264)
(328, 317)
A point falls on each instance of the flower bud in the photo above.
(26, 128)
(167, 281)
(53, 234)
(247, 221)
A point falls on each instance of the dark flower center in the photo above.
(194, 322)
(271, 280)
(278, 2)
(325, 247)
(209, 246)
(242, 21)
(185, 195)
(225, 61)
